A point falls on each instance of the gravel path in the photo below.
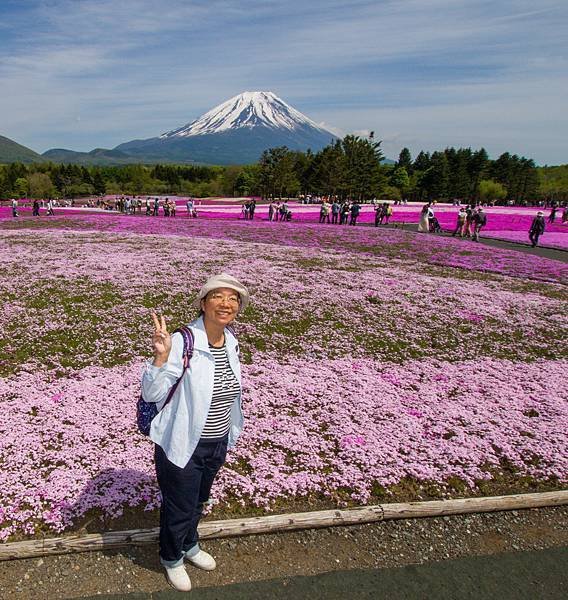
(378, 545)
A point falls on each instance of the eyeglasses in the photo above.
(218, 298)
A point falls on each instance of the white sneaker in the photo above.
(178, 578)
(202, 560)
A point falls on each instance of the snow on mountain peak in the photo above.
(249, 109)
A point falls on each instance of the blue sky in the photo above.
(425, 74)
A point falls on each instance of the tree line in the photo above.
(349, 168)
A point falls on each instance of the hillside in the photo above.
(11, 151)
(96, 157)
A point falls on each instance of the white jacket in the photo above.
(178, 427)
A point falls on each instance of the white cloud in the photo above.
(421, 73)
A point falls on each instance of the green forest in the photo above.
(349, 168)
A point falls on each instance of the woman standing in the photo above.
(425, 214)
(192, 432)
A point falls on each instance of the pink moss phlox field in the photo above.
(507, 223)
(68, 445)
(95, 299)
(312, 428)
(367, 358)
(392, 243)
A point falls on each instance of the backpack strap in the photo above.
(187, 336)
(188, 340)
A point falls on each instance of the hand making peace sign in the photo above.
(161, 340)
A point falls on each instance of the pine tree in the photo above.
(422, 161)
(405, 160)
(478, 165)
(400, 180)
(99, 184)
(437, 177)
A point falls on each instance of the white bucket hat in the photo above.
(223, 280)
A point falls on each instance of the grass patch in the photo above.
(65, 324)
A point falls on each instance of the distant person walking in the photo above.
(50, 212)
(378, 215)
(324, 212)
(537, 228)
(469, 212)
(189, 207)
(335, 209)
(460, 223)
(344, 213)
(552, 215)
(14, 207)
(479, 221)
(355, 210)
(35, 209)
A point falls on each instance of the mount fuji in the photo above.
(234, 132)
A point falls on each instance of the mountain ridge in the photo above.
(96, 157)
(236, 131)
(11, 151)
(248, 109)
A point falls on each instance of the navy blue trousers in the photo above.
(184, 491)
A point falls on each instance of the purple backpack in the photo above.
(146, 411)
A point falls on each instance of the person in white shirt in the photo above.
(203, 417)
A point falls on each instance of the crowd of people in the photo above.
(153, 207)
(47, 204)
(278, 211)
(470, 219)
(248, 209)
(383, 213)
(428, 222)
(341, 213)
(554, 211)
(469, 222)
(538, 224)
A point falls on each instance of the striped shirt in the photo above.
(225, 390)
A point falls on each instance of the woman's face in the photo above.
(220, 306)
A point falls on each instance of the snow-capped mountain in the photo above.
(249, 109)
(234, 132)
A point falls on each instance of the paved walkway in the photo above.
(556, 254)
(537, 575)
(547, 252)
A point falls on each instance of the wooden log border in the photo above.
(286, 522)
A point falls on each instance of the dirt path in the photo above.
(508, 576)
(260, 558)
